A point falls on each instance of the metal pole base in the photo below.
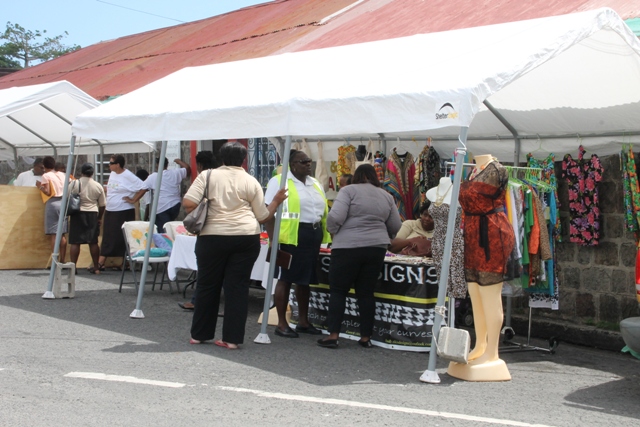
(262, 339)
(430, 377)
(137, 314)
(48, 295)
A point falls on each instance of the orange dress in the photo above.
(488, 235)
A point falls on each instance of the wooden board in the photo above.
(23, 244)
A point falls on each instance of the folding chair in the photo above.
(136, 234)
(172, 229)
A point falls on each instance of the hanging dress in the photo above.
(428, 169)
(400, 183)
(457, 285)
(631, 191)
(488, 235)
(548, 175)
(584, 203)
(346, 160)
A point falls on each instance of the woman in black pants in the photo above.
(363, 220)
(228, 244)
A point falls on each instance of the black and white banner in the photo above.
(406, 296)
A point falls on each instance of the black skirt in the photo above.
(84, 228)
(112, 237)
(304, 258)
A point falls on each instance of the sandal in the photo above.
(92, 270)
(100, 267)
(228, 345)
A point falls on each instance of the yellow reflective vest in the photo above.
(291, 214)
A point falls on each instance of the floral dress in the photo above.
(584, 210)
(346, 160)
(631, 191)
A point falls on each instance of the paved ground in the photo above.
(84, 362)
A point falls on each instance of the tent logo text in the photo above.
(446, 112)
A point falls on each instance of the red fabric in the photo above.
(477, 198)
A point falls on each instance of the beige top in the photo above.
(56, 182)
(412, 228)
(91, 194)
(236, 201)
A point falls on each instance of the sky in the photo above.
(91, 21)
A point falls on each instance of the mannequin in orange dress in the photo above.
(489, 240)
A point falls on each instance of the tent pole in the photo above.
(63, 215)
(137, 313)
(15, 160)
(510, 127)
(430, 375)
(263, 336)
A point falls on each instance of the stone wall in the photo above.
(597, 284)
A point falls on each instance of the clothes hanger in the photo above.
(537, 149)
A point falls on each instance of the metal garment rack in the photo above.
(507, 331)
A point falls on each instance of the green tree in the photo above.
(23, 48)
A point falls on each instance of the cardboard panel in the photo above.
(23, 244)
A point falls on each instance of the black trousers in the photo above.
(223, 262)
(358, 268)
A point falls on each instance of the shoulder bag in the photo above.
(195, 220)
(74, 200)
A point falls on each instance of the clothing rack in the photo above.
(507, 331)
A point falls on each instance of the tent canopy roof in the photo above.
(560, 76)
(35, 119)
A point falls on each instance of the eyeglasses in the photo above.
(113, 163)
(304, 162)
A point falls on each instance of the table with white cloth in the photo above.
(183, 256)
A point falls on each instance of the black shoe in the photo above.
(311, 330)
(287, 333)
(328, 343)
(365, 344)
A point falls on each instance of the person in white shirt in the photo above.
(29, 178)
(169, 201)
(122, 185)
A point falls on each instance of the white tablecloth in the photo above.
(183, 256)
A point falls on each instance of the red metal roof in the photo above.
(120, 66)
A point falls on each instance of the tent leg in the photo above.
(430, 375)
(137, 313)
(263, 336)
(65, 196)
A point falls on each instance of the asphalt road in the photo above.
(85, 362)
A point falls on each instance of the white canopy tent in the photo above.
(542, 83)
(36, 121)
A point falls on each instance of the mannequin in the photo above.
(440, 197)
(488, 240)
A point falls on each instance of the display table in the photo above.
(183, 256)
(406, 295)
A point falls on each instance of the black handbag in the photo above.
(195, 220)
(73, 207)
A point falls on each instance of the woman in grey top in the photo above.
(363, 220)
